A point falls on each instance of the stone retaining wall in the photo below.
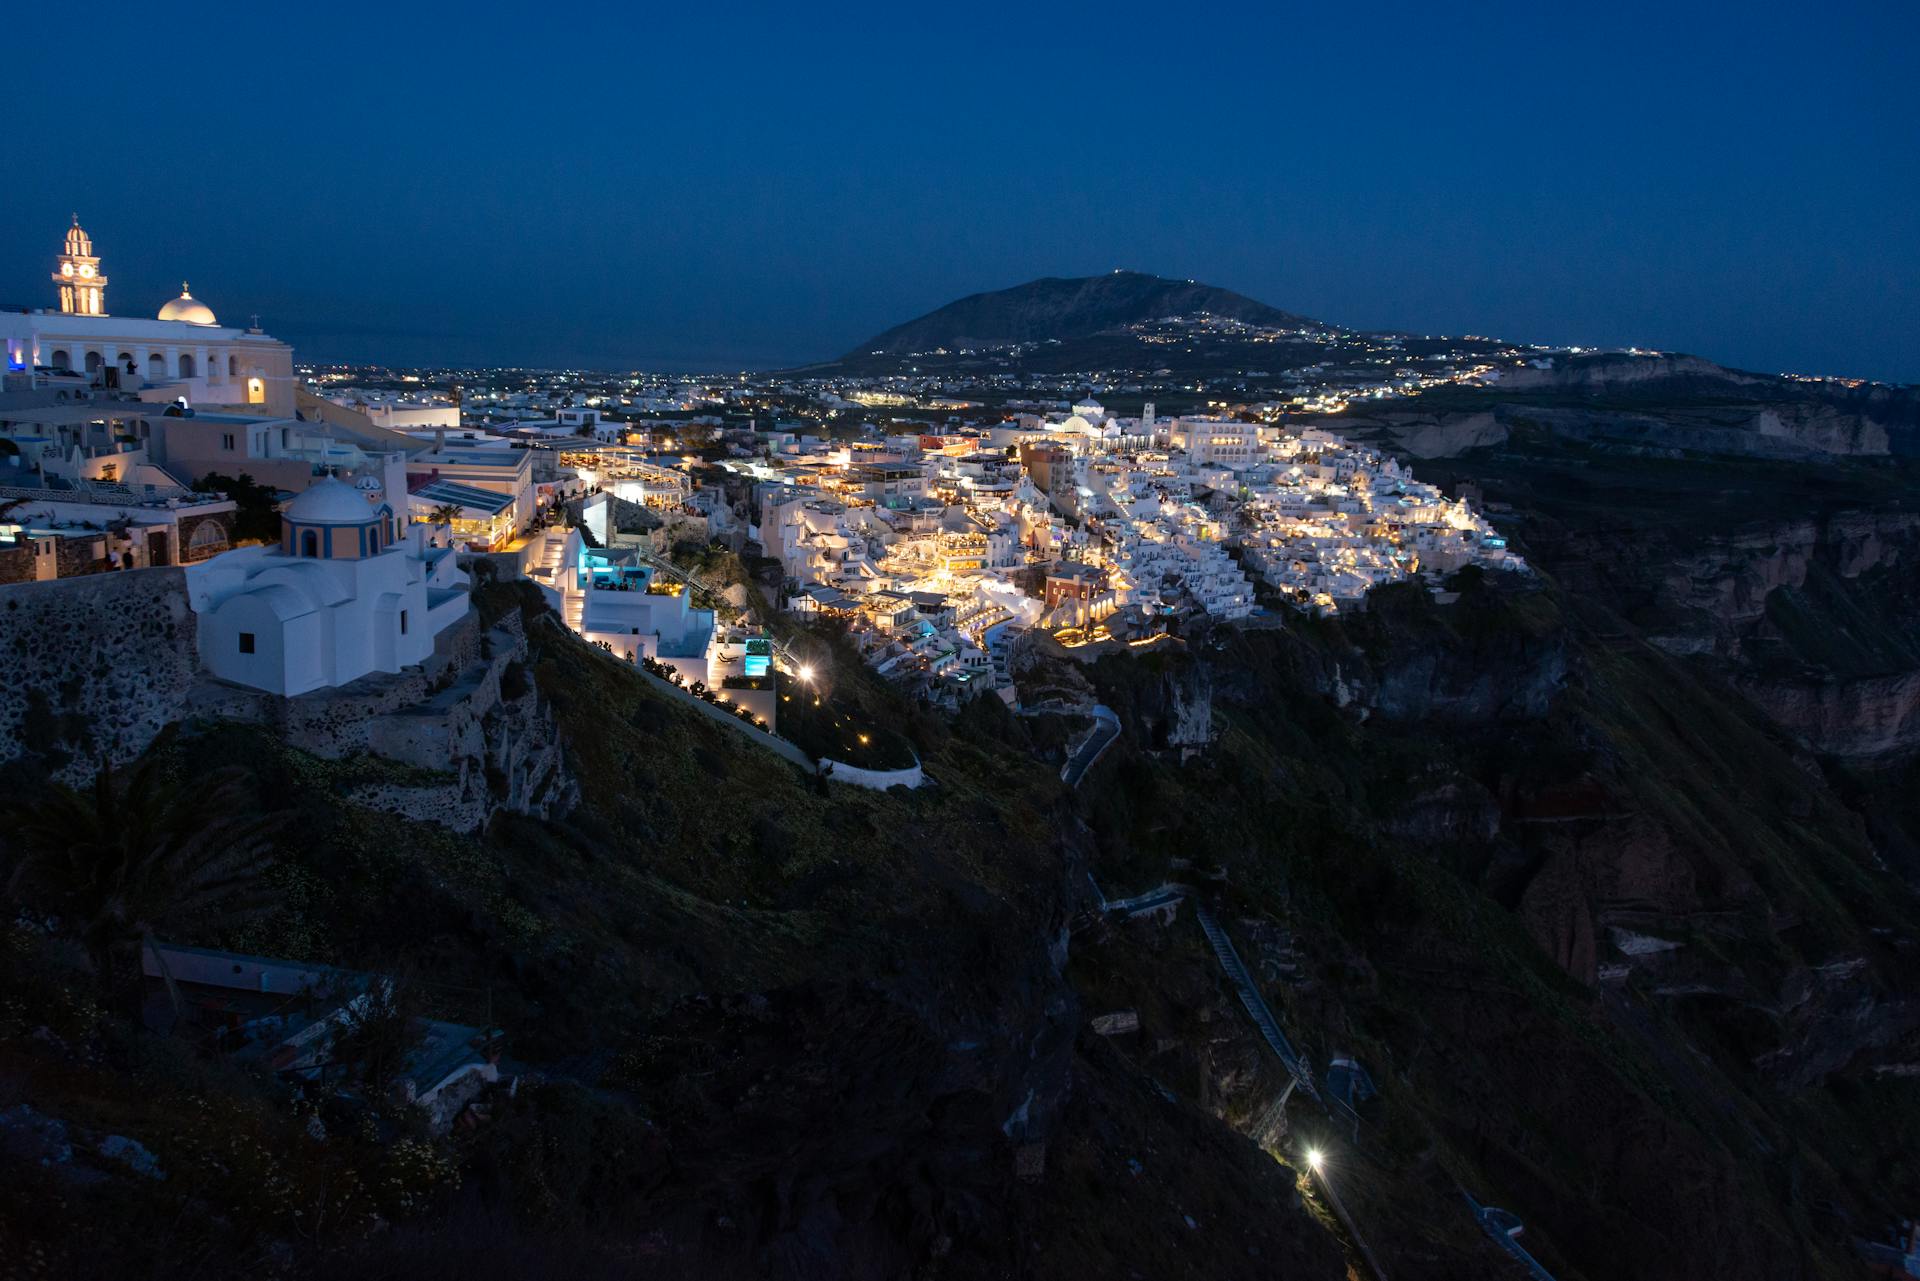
(877, 779)
(93, 667)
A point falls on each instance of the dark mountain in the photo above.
(1056, 308)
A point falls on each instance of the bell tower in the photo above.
(83, 290)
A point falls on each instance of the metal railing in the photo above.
(111, 494)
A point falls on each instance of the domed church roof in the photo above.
(331, 502)
(188, 308)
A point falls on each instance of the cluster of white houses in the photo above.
(938, 547)
(116, 434)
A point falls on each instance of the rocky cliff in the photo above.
(1676, 928)
(1655, 407)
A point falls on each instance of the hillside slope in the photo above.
(1060, 308)
(1629, 951)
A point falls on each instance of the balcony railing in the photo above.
(111, 494)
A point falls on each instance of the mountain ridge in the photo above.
(1068, 307)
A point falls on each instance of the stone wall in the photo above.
(79, 556)
(339, 722)
(877, 779)
(98, 666)
(483, 739)
(17, 563)
(187, 553)
(92, 667)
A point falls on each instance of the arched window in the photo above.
(60, 360)
(233, 365)
(309, 544)
(186, 365)
(93, 362)
(209, 539)
(156, 366)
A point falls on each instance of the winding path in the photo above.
(1505, 1228)
(1501, 1225)
(1106, 728)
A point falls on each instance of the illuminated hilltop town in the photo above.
(939, 537)
(193, 528)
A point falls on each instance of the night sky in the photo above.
(725, 185)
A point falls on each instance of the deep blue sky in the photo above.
(725, 184)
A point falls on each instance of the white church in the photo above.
(344, 595)
(184, 352)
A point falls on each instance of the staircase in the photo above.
(552, 571)
(551, 551)
(1256, 1005)
(789, 660)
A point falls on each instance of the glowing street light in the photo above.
(805, 673)
(1314, 1159)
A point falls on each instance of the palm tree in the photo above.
(137, 853)
(444, 515)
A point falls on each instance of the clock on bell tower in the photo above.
(83, 290)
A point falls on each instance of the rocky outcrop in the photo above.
(470, 732)
(1722, 585)
(1424, 434)
(1749, 431)
(1868, 718)
(490, 730)
(1762, 430)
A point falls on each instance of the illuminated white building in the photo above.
(183, 353)
(1219, 441)
(341, 597)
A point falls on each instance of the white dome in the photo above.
(188, 308)
(330, 502)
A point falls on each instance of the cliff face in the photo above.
(1555, 886)
(1760, 429)
(1809, 618)
(1767, 527)
(1657, 407)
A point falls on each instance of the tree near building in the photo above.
(256, 515)
(136, 854)
(444, 515)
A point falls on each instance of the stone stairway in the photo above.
(552, 571)
(1256, 1005)
(1505, 1229)
(550, 553)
